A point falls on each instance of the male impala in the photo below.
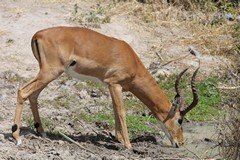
(84, 53)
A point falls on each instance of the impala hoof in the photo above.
(18, 142)
(44, 135)
(177, 145)
(128, 146)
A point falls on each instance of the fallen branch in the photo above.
(71, 140)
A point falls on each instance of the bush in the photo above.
(229, 127)
(229, 137)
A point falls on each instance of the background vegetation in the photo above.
(215, 25)
(216, 28)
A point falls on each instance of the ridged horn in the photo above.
(179, 100)
(195, 95)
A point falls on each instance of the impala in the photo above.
(86, 54)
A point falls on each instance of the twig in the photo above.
(170, 61)
(210, 149)
(230, 87)
(194, 52)
(235, 75)
(192, 152)
(191, 50)
(232, 106)
(159, 56)
(71, 140)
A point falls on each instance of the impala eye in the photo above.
(180, 121)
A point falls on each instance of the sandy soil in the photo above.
(19, 20)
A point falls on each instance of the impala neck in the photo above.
(147, 90)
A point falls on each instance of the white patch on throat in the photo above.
(165, 130)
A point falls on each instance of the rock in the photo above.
(228, 16)
(83, 94)
(154, 66)
(60, 142)
(95, 93)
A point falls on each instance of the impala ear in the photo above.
(174, 108)
(176, 102)
(180, 100)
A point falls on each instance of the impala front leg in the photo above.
(121, 131)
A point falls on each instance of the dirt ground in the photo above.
(19, 20)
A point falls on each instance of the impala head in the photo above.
(178, 111)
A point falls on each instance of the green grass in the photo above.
(136, 123)
(97, 117)
(47, 123)
(48, 126)
(135, 105)
(64, 101)
(210, 97)
(209, 100)
(94, 85)
(91, 85)
(206, 110)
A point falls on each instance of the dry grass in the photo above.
(214, 40)
(210, 35)
(53, 1)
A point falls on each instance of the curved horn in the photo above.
(177, 81)
(179, 100)
(195, 95)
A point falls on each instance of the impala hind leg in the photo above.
(121, 131)
(34, 108)
(31, 91)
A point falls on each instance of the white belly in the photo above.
(83, 77)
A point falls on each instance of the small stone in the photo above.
(229, 17)
(60, 142)
(238, 18)
(95, 93)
